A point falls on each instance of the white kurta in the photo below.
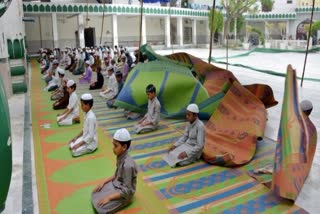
(192, 142)
(112, 88)
(55, 81)
(74, 105)
(153, 116)
(89, 136)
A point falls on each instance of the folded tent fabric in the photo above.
(233, 129)
(176, 88)
(297, 139)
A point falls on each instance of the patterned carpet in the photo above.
(65, 183)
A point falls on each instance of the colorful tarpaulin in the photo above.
(176, 88)
(296, 144)
(233, 129)
(212, 77)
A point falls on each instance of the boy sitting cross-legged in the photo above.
(116, 192)
(71, 114)
(86, 141)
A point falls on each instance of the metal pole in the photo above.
(211, 29)
(309, 34)
(140, 36)
(40, 32)
(104, 3)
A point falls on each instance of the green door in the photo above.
(5, 147)
(10, 49)
(17, 49)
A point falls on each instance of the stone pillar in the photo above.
(287, 30)
(180, 30)
(81, 30)
(55, 31)
(115, 29)
(144, 32)
(208, 32)
(194, 32)
(167, 35)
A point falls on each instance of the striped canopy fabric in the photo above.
(296, 144)
(233, 129)
(176, 88)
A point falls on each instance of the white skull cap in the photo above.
(61, 71)
(70, 83)
(122, 135)
(306, 105)
(193, 108)
(86, 96)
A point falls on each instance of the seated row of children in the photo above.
(112, 195)
(116, 192)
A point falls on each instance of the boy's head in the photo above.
(306, 107)
(61, 73)
(123, 58)
(86, 102)
(71, 86)
(121, 141)
(192, 112)
(55, 64)
(151, 91)
(118, 76)
(110, 70)
(87, 63)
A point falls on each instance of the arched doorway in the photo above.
(301, 33)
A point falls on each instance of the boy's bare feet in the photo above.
(76, 120)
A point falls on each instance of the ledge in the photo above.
(271, 16)
(38, 7)
(306, 9)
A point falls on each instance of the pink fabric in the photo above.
(87, 76)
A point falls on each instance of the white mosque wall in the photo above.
(284, 6)
(128, 30)
(300, 18)
(11, 27)
(202, 31)
(39, 33)
(67, 26)
(155, 29)
(11, 22)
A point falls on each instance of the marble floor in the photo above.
(310, 193)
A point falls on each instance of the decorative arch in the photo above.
(29, 8)
(59, 8)
(48, 8)
(41, 8)
(95, 9)
(35, 8)
(53, 8)
(301, 34)
(65, 8)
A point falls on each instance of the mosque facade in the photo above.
(30, 25)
